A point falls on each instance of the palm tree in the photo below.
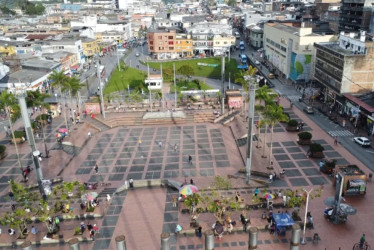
(72, 87)
(59, 80)
(239, 78)
(9, 103)
(274, 114)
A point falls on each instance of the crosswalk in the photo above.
(339, 133)
(293, 98)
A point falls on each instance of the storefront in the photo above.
(354, 180)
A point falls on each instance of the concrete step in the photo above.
(98, 125)
(106, 191)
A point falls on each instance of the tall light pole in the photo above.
(223, 84)
(303, 241)
(175, 88)
(251, 110)
(119, 68)
(101, 89)
(21, 95)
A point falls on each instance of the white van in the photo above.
(237, 35)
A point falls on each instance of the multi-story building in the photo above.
(90, 46)
(345, 67)
(256, 36)
(162, 43)
(203, 35)
(70, 45)
(355, 15)
(332, 17)
(8, 48)
(183, 45)
(290, 49)
(222, 43)
(68, 60)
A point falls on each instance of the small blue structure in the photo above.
(282, 220)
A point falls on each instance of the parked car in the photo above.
(271, 76)
(137, 54)
(363, 141)
(257, 62)
(308, 110)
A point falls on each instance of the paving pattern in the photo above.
(148, 153)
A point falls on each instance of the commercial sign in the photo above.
(208, 64)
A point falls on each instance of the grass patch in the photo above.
(127, 77)
(203, 71)
(189, 85)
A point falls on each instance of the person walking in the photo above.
(175, 147)
(96, 168)
(160, 144)
(336, 140)
(256, 192)
(131, 182)
(362, 240)
(83, 227)
(190, 159)
(174, 200)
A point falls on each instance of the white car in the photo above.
(137, 54)
(363, 141)
(257, 63)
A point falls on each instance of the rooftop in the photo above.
(335, 47)
(40, 64)
(23, 76)
(351, 170)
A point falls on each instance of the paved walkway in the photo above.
(142, 214)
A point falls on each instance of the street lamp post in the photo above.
(119, 68)
(21, 95)
(223, 84)
(101, 89)
(303, 241)
(251, 110)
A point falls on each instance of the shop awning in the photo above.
(75, 67)
(359, 102)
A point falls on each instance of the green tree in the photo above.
(274, 114)
(185, 70)
(9, 103)
(60, 81)
(72, 87)
(231, 3)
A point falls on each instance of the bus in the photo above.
(102, 71)
(243, 58)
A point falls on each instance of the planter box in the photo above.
(292, 129)
(304, 141)
(316, 155)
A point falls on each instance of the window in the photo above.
(160, 48)
(171, 43)
(170, 37)
(225, 42)
(151, 42)
(171, 48)
(151, 47)
(159, 37)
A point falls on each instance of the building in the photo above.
(8, 48)
(345, 69)
(162, 44)
(222, 43)
(183, 45)
(355, 15)
(289, 49)
(256, 36)
(68, 60)
(154, 82)
(70, 45)
(90, 46)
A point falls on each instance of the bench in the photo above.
(17, 140)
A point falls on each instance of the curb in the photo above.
(19, 242)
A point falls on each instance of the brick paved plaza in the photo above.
(144, 213)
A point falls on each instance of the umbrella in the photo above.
(188, 190)
(344, 207)
(89, 196)
(174, 184)
(269, 196)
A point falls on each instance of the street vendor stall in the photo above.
(354, 180)
(282, 221)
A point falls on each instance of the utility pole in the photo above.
(101, 90)
(229, 79)
(303, 241)
(175, 88)
(251, 111)
(162, 94)
(21, 95)
(223, 84)
(119, 68)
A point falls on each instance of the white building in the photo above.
(154, 82)
(72, 46)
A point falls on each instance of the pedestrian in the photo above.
(107, 198)
(131, 182)
(95, 228)
(83, 227)
(270, 178)
(160, 144)
(89, 134)
(11, 195)
(336, 140)
(34, 230)
(174, 200)
(96, 168)
(256, 192)
(175, 147)
(362, 241)
(199, 232)
(89, 226)
(244, 221)
(191, 182)
(92, 234)
(11, 231)
(190, 159)
(274, 176)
